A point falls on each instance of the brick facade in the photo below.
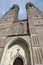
(33, 27)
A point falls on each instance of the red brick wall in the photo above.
(15, 27)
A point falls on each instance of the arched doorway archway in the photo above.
(18, 61)
(22, 43)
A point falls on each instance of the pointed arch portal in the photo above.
(17, 52)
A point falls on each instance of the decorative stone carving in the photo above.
(37, 55)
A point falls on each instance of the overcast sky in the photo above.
(5, 5)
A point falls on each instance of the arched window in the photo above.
(20, 29)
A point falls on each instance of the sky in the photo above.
(5, 5)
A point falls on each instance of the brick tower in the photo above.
(21, 41)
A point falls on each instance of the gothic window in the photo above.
(20, 29)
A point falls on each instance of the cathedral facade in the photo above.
(21, 41)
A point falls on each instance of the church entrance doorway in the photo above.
(18, 61)
(17, 53)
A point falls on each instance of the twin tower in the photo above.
(13, 12)
(21, 40)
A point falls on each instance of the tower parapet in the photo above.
(29, 5)
(16, 7)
